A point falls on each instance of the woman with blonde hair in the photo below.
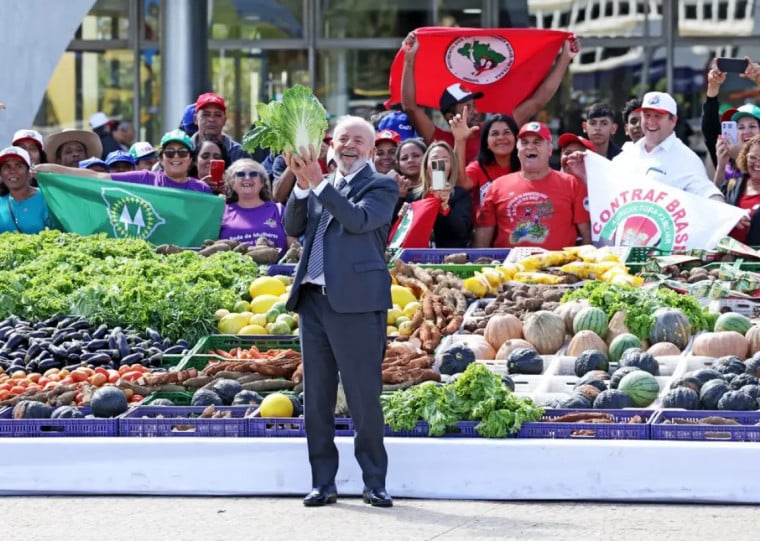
(443, 215)
(250, 212)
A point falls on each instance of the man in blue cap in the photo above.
(120, 161)
(94, 163)
(188, 124)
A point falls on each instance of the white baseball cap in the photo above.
(29, 135)
(142, 149)
(99, 119)
(662, 102)
(15, 152)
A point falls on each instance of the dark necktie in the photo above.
(316, 265)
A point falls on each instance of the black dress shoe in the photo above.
(377, 497)
(321, 496)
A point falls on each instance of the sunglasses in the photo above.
(181, 152)
(247, 174)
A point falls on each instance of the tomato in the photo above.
(124, 368)
(19, 374)
(34, 387)
(101, 370)
(4, 394)
(98, 379)
(129, 392)
(136, 398)
(79, 375)
(63, 373)
(51, 371)
(50, 385)
(5, 386)
(34, 376)
(43, 381)
(113, 376)
(132, 375)
(18, 389)
(67, 381)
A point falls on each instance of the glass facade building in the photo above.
(343, 49)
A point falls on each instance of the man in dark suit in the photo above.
(342, 293)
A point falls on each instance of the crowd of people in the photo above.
(498, 186)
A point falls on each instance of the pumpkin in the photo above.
(617, 326)
(670, 325)
(502, 327)
(479, 346)
(583, 341)
(753, 338)
(545, 330)
(663, 349)
(509, 346)
(568, 310)
(719, 344)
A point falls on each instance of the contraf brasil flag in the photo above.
(125, 210)
(632, 210)
(506, 64)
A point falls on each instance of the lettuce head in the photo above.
(298, 120)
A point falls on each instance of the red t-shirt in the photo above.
(483, 180)
(745, 202)
(535, 212)
(471, 148)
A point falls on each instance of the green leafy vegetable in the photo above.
(120, 282)
(299, 120)
(639, 303)
(477, 395)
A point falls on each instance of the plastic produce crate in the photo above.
(283, 427)
(45, 428)
(182, 421)
(179, 398)
(462, 429)
(620, 429)
(284, 269)
(228, 341)
(747, 430)
(435, 256)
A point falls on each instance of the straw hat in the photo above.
(90, 140)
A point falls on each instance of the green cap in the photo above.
(749, 109)
(177, 136)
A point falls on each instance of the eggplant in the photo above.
(38, 334)
(100, 332)
(52, 321)
(18, 354)
(99, 359)
(182, 342)
(122, 345)
(31, 366)
(14, 340)
(64, 322)
(96, 344)
(58, 339)
(153, 335)
(5, 332)
(132, 358)
(57, 350)
(80, 324)
(33, 351)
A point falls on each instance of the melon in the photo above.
(731, 321)
(591, 318)
(621, 343)
(641, 386)
(108, 401)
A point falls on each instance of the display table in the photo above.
(530, 469)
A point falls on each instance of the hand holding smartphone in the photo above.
(217, 171)
(730, 132)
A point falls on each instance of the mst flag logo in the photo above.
(130, 216)
(482, 60)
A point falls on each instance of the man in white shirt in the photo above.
(660, 155)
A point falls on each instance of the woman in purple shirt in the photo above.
(250, 211)
(176, 157)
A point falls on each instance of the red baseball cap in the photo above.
(388, 135)
(536, 128)
(209, 98)
(567, 138)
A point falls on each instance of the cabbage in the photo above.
(298, 120)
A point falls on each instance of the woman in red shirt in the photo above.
(497, 157)
(745, 193)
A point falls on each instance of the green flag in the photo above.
(125, 210)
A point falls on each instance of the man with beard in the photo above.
(341, 292)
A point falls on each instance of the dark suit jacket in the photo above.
(356, 274)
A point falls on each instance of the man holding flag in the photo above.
(508, 68)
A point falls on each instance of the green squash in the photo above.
(670, 325)
(525, 361)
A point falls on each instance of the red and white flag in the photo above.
(506, 64)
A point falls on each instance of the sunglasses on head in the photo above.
(247, 174)
(181, 152)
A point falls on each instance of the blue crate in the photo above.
(284, 269)
(283, 427)
(46, 428)
(748, 430)
(182, 421)
(619, 430)
(435, 256)
(462, 429)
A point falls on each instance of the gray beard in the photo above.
(357, 165)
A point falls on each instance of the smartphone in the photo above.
(732, 65)
(729, 132)
(439, 174)
(217, 170)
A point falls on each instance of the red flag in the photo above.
(506, 64)
(414, 227)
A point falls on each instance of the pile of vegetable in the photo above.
(118, 282)
(476, 395)
(640, 303)
(297, 121)
(262, 251)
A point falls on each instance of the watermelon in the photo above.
(641, 386)
(592, 319)
(621, 343)
(731, 321)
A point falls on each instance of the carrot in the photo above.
(222, 353)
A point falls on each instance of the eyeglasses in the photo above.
(247, 174)
(181, 152)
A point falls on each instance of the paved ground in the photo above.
(225, 519)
